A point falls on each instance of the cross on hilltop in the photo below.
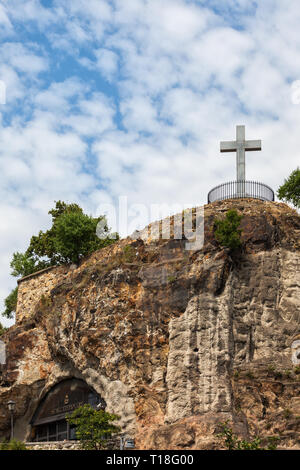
(240, 146)
(241, 188)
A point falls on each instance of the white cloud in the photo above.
(179, 76)
(31, 11)
(140, 114)
(5, 24)
(107, 62)
(22, 59)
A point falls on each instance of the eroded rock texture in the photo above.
(175, 341)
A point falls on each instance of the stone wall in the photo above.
(37, 286)
(60, 445)
(113, 444)
(31, 289)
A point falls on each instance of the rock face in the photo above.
(175, 341)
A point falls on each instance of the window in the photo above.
(57, 431)
(49, 423)
(62, 431)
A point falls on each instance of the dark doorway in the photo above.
(49, 423)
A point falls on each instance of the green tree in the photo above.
(289, 191)
(71, 237)
(227, 232)
(93, 427)
(23, 264)
(10, 304)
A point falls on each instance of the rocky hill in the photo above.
(175, 341)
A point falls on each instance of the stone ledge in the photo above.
(38, 273)
(54, 445)
(113, 444)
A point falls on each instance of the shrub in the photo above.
(129, 254)
(232, 442)
(227, 232)
(13, 445)
(93, 427)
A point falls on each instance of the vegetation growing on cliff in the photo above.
(93, 427)
(23, 264)
(2, 329)
(10, 303)
(227, 231)
(73, 235)
(232, 442)
(13, 445)
(289, 191)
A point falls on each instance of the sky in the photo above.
(110, 98)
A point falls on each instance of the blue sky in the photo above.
(131, 98)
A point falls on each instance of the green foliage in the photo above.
(93, 427)
(171, 279)
(290, 190)
(288, 373)
(61, 208)
(2, 329)
(232, 442)
(71, 237)
(227, 232)
(273, 442)
(11, 304)
(13, 445)
(129, 254)
(23, 264)
(297, 370)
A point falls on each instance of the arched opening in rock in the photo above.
(49, 420)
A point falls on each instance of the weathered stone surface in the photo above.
(175, 341)
(63, 445)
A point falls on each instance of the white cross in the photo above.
(240, 146)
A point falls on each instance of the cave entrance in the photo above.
(49, 421)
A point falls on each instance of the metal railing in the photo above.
(241, 189)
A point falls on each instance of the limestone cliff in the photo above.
(175, 341)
